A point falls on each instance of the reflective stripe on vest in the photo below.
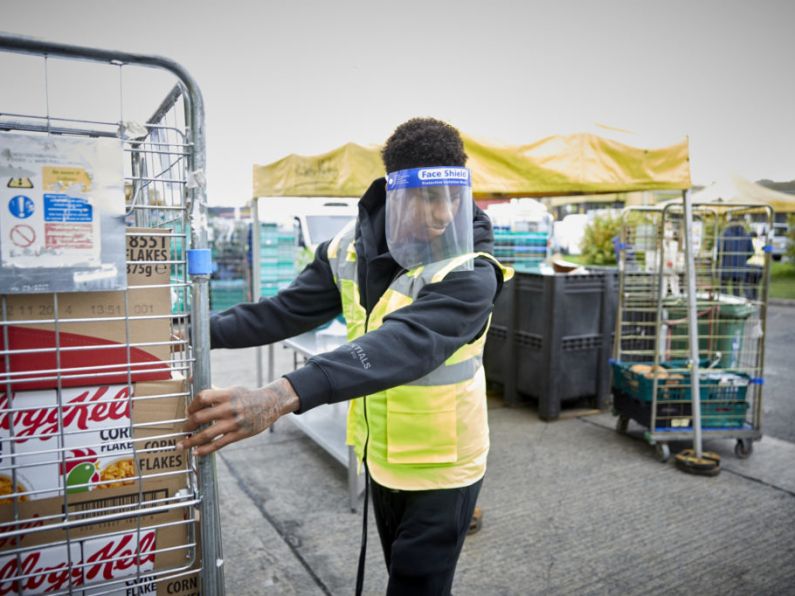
(429, 433)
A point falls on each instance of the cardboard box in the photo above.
(94, 351)
(99, 564)
(41, 523)
(99, 438)
(178, 582)
(184, 584)
(95, 428)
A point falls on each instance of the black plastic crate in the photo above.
(493, 353)
(551, 338)
(500, 334)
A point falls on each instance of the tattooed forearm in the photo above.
(288, 398)
(255, 410)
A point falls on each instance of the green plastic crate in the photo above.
(721, 386)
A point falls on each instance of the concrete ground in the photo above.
(570, 507)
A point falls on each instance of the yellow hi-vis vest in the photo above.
(431, 433)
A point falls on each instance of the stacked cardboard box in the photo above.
(159, 557)
(100, 336)
(113, 558)
(92, 489)
(96, 438)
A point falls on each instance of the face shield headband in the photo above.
(429, 215)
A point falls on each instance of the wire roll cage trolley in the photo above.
(94, 497)
(652, 365)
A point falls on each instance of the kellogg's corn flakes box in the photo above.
(128, 562)
(88, 438)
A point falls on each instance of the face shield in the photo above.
(429, 215)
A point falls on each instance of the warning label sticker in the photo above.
(66, 208)
(50, 207)
(20, 183)
(59, 230)
(74, 236)
(62, 214)
(22, 235)
(21, 206)
(60, 178)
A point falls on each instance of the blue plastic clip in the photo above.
(767, 248)
(757, 381)
(200, 261)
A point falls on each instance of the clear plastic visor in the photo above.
(428, 215)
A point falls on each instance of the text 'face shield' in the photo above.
(429, 215)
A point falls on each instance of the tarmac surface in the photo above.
(778, 400)
(570, 507)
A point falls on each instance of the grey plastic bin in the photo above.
(551, 338)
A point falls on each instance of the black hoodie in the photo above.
(411, 342)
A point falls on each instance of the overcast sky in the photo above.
(304, 76)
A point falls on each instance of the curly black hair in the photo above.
(421, 142)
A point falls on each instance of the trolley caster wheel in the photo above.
(744, 448)
(622, 423)
(663, 451)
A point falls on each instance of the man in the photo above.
(735, 248)
(416, 284)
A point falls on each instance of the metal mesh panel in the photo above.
(94, 497)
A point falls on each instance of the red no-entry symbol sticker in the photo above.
(22, 235)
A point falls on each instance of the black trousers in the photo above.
(422, 533)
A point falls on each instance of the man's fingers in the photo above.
(207, 399)
(237, 412)
(230, 437)
(208, 415)
(208, 434)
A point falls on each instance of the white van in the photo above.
(780, 240)
(313, 219)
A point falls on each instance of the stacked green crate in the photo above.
(229, 279)
(226, 293)
(722, 394)
(178, 275)
(277, 254)
(524, 250)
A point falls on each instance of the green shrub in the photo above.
(791, 236)
(597, 244)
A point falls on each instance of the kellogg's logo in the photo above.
(80, 411)
(42, 578)
(47, 572)
(118, 555)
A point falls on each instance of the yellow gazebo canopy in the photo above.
(554, 166)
